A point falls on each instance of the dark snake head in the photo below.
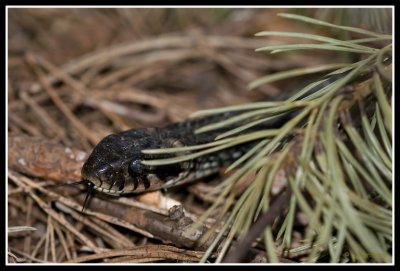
(115, 167)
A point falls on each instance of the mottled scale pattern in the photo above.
(115, 167)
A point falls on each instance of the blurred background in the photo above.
(150, 66)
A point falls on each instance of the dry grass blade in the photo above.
(20, 229)
(156, 252)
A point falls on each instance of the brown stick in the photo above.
(43, 158)
(237, 253)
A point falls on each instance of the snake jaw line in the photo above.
(108, 191)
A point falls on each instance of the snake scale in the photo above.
(114, 166)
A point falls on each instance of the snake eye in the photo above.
(135, 168)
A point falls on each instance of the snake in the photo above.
(115, 164)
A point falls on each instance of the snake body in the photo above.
(115, 167)
(115, 164)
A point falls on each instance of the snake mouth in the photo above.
(108, 191)
(97, 185)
